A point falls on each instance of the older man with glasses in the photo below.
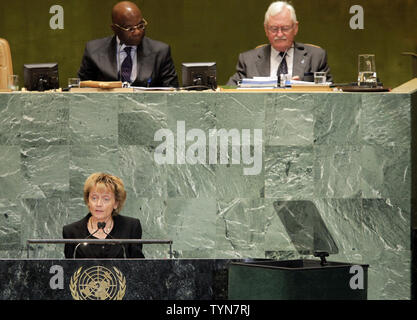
(128, 55)
(282, 55)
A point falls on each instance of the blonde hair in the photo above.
(110, 182)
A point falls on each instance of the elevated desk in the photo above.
(335, 173)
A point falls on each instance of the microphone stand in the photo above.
(101, 226)
(90, 235)
(278, 75)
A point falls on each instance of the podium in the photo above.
(113, 279)
(300, 279)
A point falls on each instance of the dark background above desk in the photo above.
(217, 31)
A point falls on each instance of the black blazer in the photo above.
(123, 228)
(154, 61)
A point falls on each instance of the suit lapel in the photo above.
(108, 58)
(300, 60)
(145, 62)
(263, 61)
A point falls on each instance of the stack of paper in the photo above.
(271, 83)
(307, 83)
(259, 82)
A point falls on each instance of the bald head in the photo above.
(126, 14)
(123, 10)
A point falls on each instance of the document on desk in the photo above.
(259, 82)
(271, 83)
(307, 83)
(152, 88)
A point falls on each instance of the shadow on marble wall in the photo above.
(306, 228)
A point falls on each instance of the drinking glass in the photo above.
(73, 83)
(13, 82)
(320, 77)
(366, 70)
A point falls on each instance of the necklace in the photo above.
(107, 229)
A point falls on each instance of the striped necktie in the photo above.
(283, 68)
(126, 68)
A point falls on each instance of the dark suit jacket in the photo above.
(256, 62)
(124, 228)
(154, 61)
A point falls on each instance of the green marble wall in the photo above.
(336, 175)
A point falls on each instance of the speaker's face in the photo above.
(101, 203)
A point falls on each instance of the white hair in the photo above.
(277, 7)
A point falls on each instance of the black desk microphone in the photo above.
(99, 225)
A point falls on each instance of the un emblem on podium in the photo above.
(98, 283)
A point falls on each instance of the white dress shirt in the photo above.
(121, 55)
(276, 61)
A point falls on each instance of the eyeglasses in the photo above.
(141, 26)
(285, 29)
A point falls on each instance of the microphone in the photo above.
(101, 225)
(90, 235)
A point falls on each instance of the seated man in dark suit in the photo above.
(129, 56)
(282, 55)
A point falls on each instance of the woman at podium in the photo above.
(104, 195)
